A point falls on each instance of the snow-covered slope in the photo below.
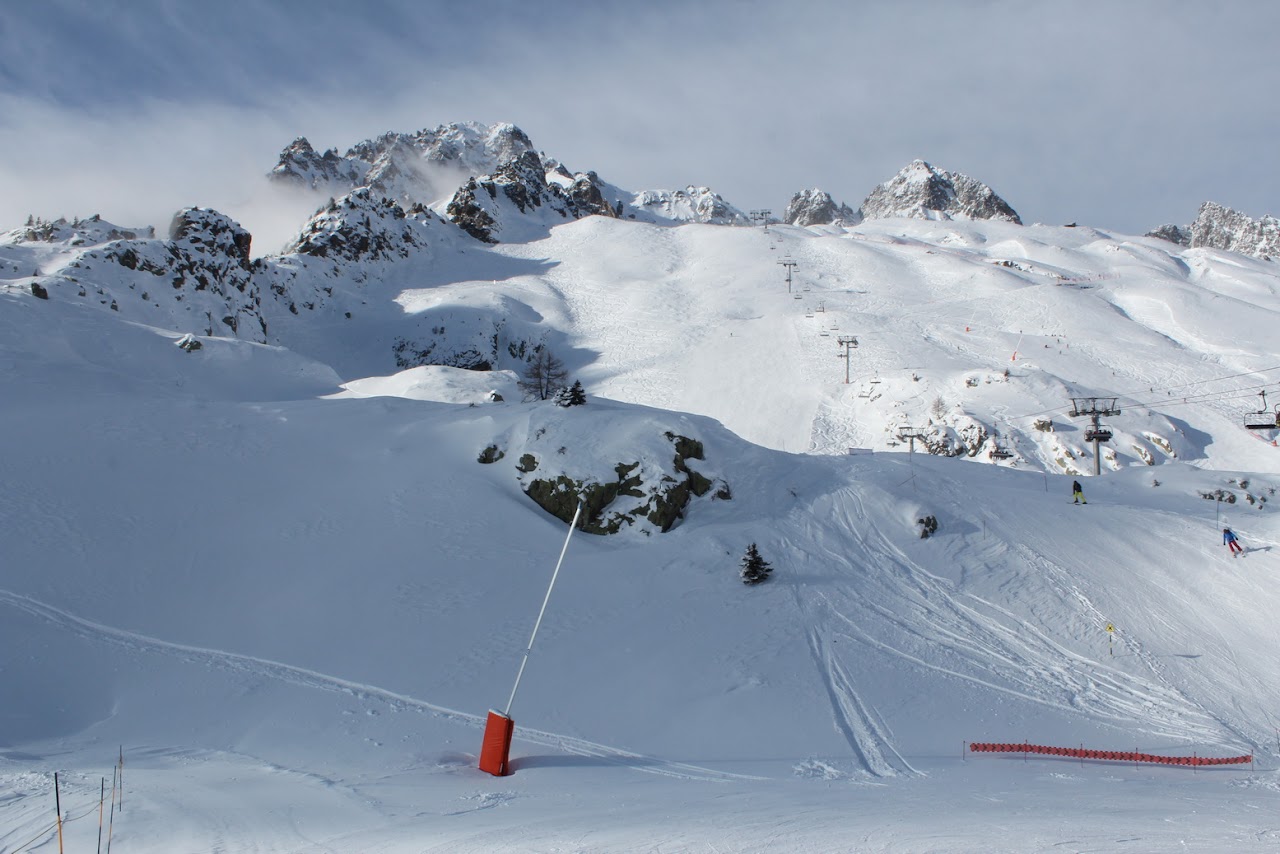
(290, 578)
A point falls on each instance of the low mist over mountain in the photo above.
(489, 180)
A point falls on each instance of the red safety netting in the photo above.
(1117, 755)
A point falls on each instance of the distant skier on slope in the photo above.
(1077, 492)
(1231, 541)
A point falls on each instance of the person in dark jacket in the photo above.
(1231, 541)
(1077, 492)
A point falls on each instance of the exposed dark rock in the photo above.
(1180, 235)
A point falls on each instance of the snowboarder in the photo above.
(1077, 492)
(1232, 542)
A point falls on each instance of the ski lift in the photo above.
(1101, 433)
(1263, 419)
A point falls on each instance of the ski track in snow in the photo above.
(976, 640)
(302, 677)
(868, 738)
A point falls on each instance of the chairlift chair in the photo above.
(1101, 433)
(1263, 419)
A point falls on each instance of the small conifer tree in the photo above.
(755, 569)
(571, 396)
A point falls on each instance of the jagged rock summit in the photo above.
(922, 192)
(1219, 227)
(816, 207)
(488, 180)
(421, 167)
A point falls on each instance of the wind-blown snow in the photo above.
(279, 577)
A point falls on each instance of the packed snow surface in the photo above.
(278, 579)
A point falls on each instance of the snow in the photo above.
(277, 577)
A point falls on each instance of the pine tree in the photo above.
(755, 569)
(572, 396)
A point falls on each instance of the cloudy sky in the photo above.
(1122, 115)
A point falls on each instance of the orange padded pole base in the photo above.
(495, 750)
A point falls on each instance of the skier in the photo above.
(1230, 540)
(1077, 492)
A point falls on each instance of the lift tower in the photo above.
(790, 265)
(1094, 408)
(848, 342)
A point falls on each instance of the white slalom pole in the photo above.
(543, 610)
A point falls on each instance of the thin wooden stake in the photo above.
(122, 778)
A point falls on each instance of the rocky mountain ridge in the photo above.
(489, 180)
(918, 191)
(1219, 227)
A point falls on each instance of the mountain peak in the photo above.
(816, 207)
(920, 191)
(1220, 227)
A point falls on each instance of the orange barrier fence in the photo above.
(1116, 755)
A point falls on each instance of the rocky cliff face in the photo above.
(486, 206)
(1218, 227)
(363, 226)
(815, 207)
(301, 166)
(411, 168)
(922, 192)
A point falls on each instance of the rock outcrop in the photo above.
(1218, 227)
(815, 207)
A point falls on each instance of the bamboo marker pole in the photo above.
(57, 804)
(102, 796)
(111, 820)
